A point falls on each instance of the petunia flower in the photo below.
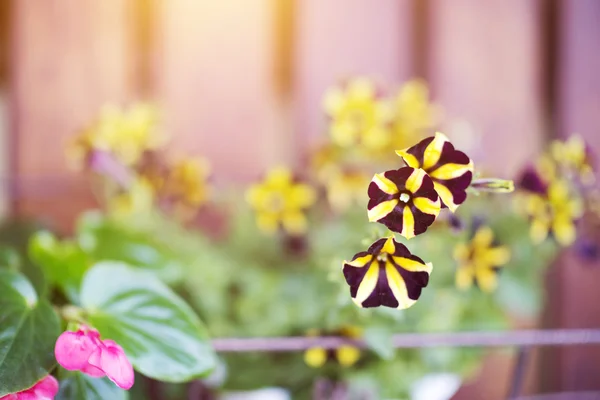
(44, 389)
(450, 170)
(387, 274)
(358, 116)
(479, 260)
(84, 351)
(346, 355)
(404, 200)
(281, 201)
(555, 212)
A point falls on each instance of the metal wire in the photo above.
(557, 337)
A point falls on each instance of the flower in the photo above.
(186, 183)
(573, 155)
(479, 260)
(137, 199)
(414, 114)
(280, 201)
(387, 274)
(84, 351)
(358, 117)
(127, 134)
(404, 200)
(554, 211)
(346, 355)
(44, 389)
(451, 170)
(347, 188)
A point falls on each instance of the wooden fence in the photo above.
(241, 83)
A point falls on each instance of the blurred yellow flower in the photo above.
(573, 155)
(414, 115)
(346, 355)
(135, 200)
(346, 189)
(127, 134)
(479, 261)
(280, 201)
(554, 212)
(358, 116)
(186, 182)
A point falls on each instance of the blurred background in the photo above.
(241, 83)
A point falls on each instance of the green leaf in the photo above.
(106, 240)
(63, 263)
(379, 339)
(79, 386)
(159, 332)
(28, 330)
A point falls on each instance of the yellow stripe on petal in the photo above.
(360, 261)
(433, 152)
(381, 210)
(412, 265)
(389, 246)
(386, 185)
(408, 223)
(415, 180)
(427, 206)
(451, 171)
(446, 196)
(408, 158)
(367, 285)
(398, 287)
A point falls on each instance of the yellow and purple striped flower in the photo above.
(387, 274)
(404, 200)
(451, 170)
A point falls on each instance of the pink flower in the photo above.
(44, 389)
(84, 351)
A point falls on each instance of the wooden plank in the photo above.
(215, 81)
(68, 58)
(485, 69)
(578, 99)
(338, 39)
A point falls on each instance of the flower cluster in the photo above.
(280, 201)
(346, 355)
(555, 188)
(84, 351)
(407, 201)
(45, 389)
(124, 147)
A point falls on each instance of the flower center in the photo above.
(276, 202)
(404, 197)
(382, 257)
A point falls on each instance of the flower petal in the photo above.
(115, 364)
(73, 349)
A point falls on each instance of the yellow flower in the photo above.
(347, 188)
(346, 355)
(127, 134)
(358, 117)
(554, 211)
(186, 182)
(414, 114)
(280, 201)
(137, 199)
(479, 260)
(573, 155)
